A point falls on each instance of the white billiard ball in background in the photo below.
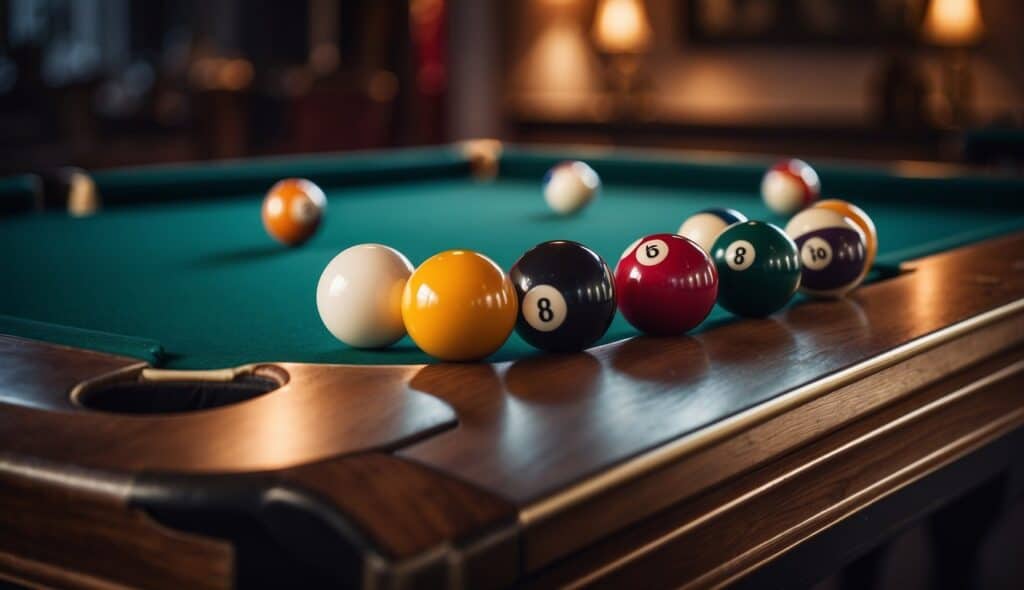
(790, 186)
(570, 186)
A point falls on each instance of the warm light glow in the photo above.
(621, 26)
(557, 70)
(954, 23)
(235, 74)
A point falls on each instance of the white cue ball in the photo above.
(570, 186)
(359, 295)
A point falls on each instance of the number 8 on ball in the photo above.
(740, 255)
(544, 308)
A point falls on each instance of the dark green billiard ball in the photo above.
(758, 268)
(566, 296)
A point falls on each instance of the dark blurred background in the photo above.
(100, 83)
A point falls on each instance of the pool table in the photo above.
(173, 413)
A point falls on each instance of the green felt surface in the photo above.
(196, 283)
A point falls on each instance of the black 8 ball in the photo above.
(566, 296)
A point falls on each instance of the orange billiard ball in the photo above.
(292, 210)
(459, 306)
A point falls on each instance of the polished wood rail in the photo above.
(567, 469)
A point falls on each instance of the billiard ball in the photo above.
(704, 226)
(459, 306)
(566, 296)
(860, 219)
(758, 268)
(833, 252)
(665, 284)
(789, 186)
(292, 210)
(570, 186)
(359, 295)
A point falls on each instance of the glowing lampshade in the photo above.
(621, 26)
(953, 23)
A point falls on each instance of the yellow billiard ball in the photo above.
(459, 306)
(860, 219)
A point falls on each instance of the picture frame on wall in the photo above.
(822, 23)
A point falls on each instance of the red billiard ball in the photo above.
(665, 284)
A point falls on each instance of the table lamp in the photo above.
(622, 33)
(621, 27)
(956, 26)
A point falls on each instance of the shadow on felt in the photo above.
(549, 217)
(240, 256)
